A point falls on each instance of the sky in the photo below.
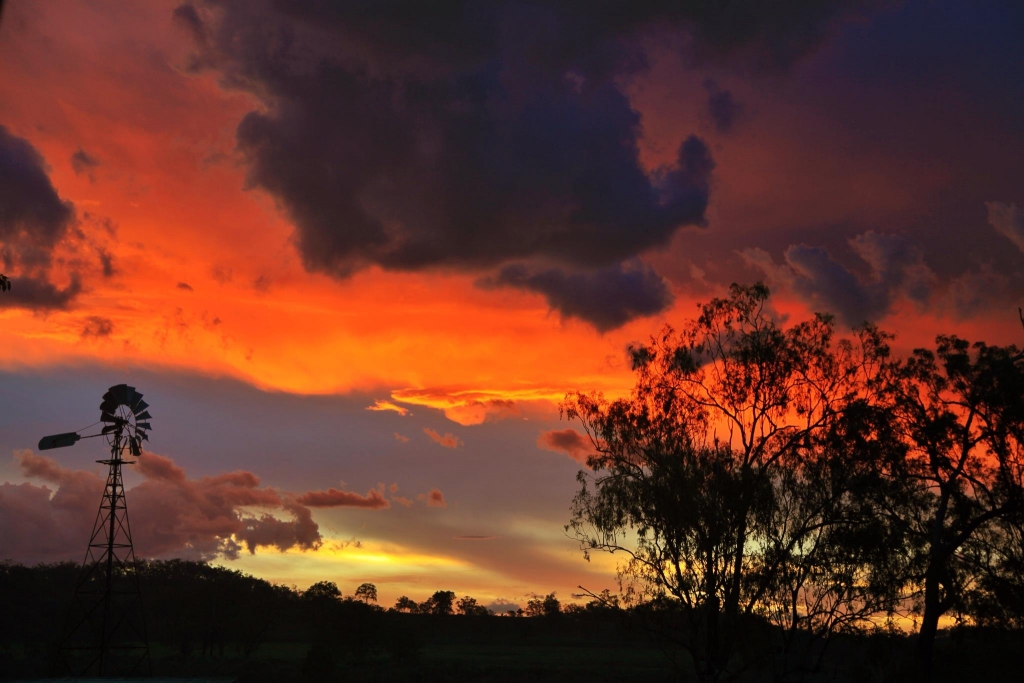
(354, 254)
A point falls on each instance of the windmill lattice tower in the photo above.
(105, 631)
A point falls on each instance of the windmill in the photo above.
(106, 632)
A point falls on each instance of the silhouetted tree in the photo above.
(5, 283)
(322, 590)
(469, 607)
(366, 592)
(406, 604)
(441, 602)
(708, 476)
(960, 412)
(547, 606)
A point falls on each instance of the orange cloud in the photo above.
(380, 405)
(401, 439)
(436, 499)
(577, 446)
(448, 440)
(332, 498)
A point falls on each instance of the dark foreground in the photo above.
(208, 622)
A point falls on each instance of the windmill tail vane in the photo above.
(105, 631)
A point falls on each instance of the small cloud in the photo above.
(221, 274)
(568, 441)
(186, 286)
(723, 108)
(448, 440)
(107, 262)
(401, 439)
(401, 500)
(1008, 221)
(502, 606)
(83, 162)
(332, 498)
(473, 406)
(435, 499)
(381, 404)
(95, 326)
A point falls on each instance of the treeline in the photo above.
(203, 608)
(763, 474)
(210, 620)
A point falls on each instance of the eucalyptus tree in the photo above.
(960, 413)
(724, 478)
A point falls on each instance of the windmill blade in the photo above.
(58, 441)
(129, 395)
(107, 417)
(108, 406)
(108, 429)
(137, 403)
(143, 415)
(145, 437)
(120, 392)
(143, 425)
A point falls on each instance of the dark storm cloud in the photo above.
(896, 269)
(606, 298)
(473, 135)
(33, 218)
(39, 294)
(723, 108)
(83, 162)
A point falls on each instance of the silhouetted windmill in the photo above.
(106, 631)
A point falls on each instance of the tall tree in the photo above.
(960, 411)
(693, 473)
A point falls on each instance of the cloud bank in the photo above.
(494, 138)
(171, 514)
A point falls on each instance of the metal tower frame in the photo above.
(106, 629)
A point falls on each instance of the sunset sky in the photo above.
(354, 254)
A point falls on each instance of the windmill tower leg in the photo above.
(107, 630)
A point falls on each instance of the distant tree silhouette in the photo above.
(441, 602)
(5, 283)
(727, 478)
(468, 606)
(322, 590)
(366, 592)
(548, 606)
(406, 604)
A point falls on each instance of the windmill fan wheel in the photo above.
(125, 418)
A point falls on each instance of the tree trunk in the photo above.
(929, 625)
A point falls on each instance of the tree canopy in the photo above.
(758, 471)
